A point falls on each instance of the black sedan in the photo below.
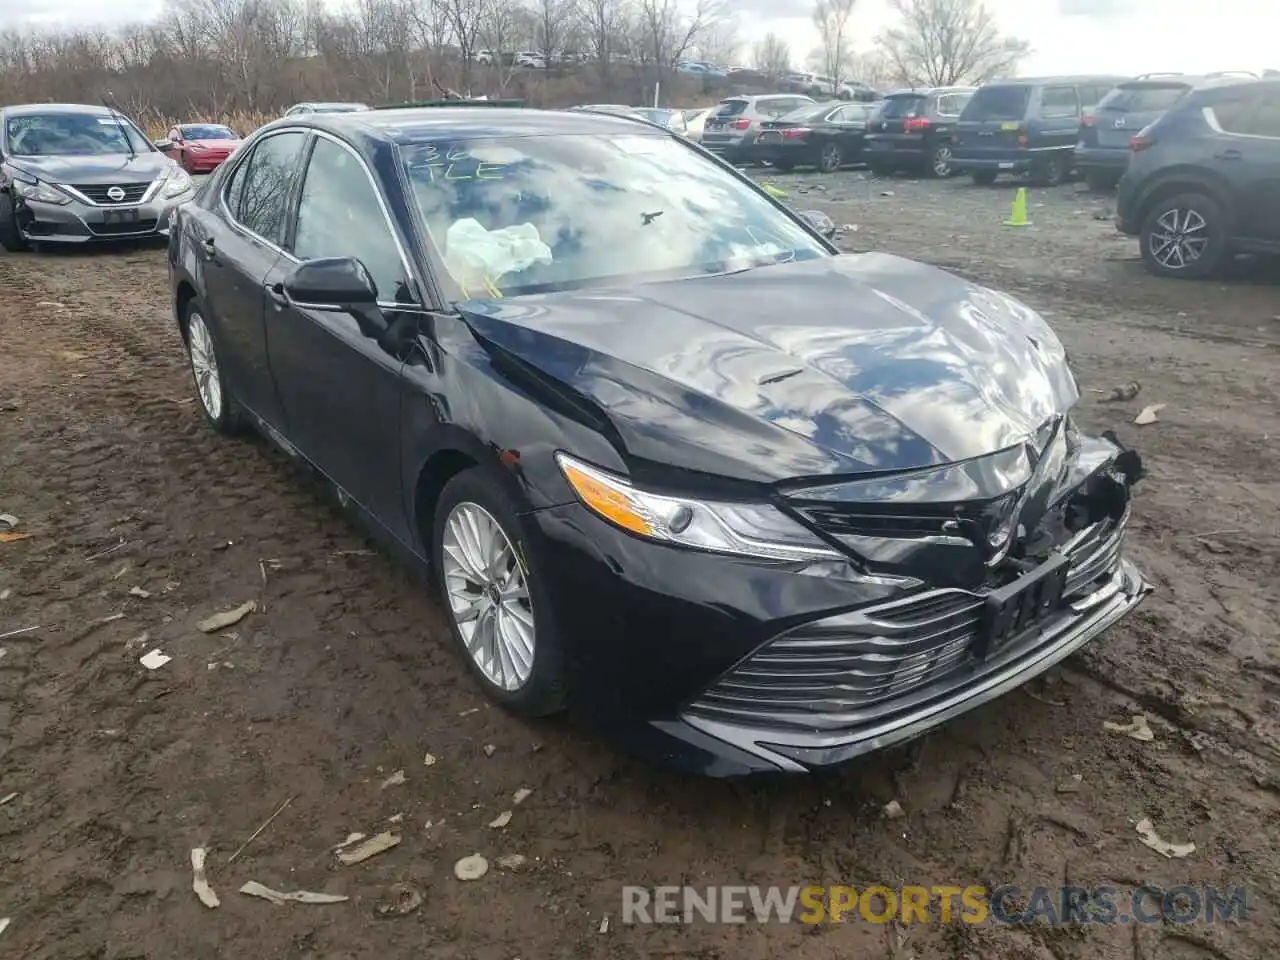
(823, 135)
(674, 463)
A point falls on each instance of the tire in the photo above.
(537, 689)
(1101, 181)
(829, 160)
(1050, 173)
(216, 401)
(11, 237)
(940, 163)
(984, 178)
(1194, 217)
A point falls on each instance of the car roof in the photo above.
(416, 124)
(1071, 78)
(46, 108)
(927, 91)
(1191, 80)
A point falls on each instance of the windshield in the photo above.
(810, 111)
(998, 103)
(1144, 97)
(895, 108)
(539, 214)
(653, 114)
(72, 135)
(207, 131)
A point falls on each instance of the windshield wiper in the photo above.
(128, 141)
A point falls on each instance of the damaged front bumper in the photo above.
(77, 222)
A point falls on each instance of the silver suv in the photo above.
(735, 123)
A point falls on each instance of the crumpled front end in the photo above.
(1018, 558)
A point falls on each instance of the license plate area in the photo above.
(120, 216)
(1022, 605)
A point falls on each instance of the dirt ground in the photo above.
(343, 675)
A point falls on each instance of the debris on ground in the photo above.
(14, 633)
(139, 592)
(1147, 834)
(1123, 393)
(490, 749)
(154, 659)
(8, 798)
(4, 924)
(8, 536)
(255, 889)
(501, 820)
(521, 795)
(395, 780)
(471, 868)
(1148, 414)
(200, 883)
(1073, 784)
(512, 861)
(604, 924)
(1138, 728)
(468, 712)
(400, 900)
(227, 618)
(351, 838)
(254, 836)
(379, 843)
(892, 810)
(429, 760)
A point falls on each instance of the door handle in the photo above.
(275, 292)
(1228, 155)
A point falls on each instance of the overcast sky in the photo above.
(1068, 36)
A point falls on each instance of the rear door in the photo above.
(991, 124)
(1249, 158)
(1056, 124)
(1130, 107)
(848, 125)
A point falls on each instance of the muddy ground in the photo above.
(343, 676)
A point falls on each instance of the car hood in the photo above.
(106, 168)
(837, 365)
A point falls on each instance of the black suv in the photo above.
(912, 130)
(1102, 152)
(1203, 181)
(1026, 126)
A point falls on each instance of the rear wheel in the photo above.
(940, 163)
(1185, 236)
(1049, 172)
(829, 160)
(984, 178)
(211, 385)
(11, 237)
(1101, 181)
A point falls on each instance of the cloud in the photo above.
(1096, 9)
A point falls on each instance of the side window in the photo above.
(233, 192)
(267, 179)
(1233, 115)
(1265, 119)
(951, 104)
(339, 216)
(1059, 102)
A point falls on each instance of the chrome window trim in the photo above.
(405, 261)
(1211, 118)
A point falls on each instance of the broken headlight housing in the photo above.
(32, 189)
(176, 182)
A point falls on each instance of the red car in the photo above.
(200, 147)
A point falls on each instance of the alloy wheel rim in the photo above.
(1179, 238)
(830, 157)
(942, 161)
(488, 594)
(204, 365)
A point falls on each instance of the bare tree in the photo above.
(555, 22)
(667, 32)
(831, 17)
(771, 55)
(945, 42)
(603, 23)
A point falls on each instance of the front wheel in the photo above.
(499, 614)
(1050, 172)
(206, 370)
(829, 160)
(1185, 236)
(11, 237)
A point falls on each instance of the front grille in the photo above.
(97, 192)
(841, 666)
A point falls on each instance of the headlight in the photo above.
(746, 529)
(177, 183)
(33, 189)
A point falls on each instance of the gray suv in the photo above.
(72, 174)
(1102, 152)
(735, 123)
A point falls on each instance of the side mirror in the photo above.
(337, 285)
(163, 144)
(819, 221)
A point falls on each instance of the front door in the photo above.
(1257, 155)
(341, 390)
